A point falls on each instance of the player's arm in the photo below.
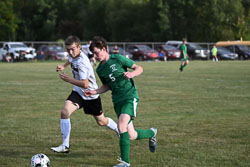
(81, 83)
(137, 70)
(62, 67)
(100, 90)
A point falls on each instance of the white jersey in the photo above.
(82, 69)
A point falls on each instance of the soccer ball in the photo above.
(39, 160)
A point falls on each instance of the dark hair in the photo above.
(98, 42)
(72, 39)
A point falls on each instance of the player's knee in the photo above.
(65, 114)
(122, 128)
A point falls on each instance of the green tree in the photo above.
(8, 21)
(95, 23)
(38, 19)
(163, 21)
(129, 20)
(133, 20)
(72, 18)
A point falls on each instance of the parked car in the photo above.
(142, 52)
(242, 50)
(225, 54)
(61, 54)
(18, 51)
(120, 51)
(170, 51)
(51, 52)
(194, 50)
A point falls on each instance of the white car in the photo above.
(18, 51)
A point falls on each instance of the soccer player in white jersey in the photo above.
(83, 78)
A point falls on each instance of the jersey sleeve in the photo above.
(125, 61)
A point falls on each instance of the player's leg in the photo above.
(182, 64)
(72, 104)
(65, 125)
(186, 63)
(138, 134)
(94, 108)
(101, 120)
(124, 139)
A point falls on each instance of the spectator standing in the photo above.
(214, 53)
(115, 50)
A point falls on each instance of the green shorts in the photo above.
(126, 107)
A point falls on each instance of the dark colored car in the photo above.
(194, 50)
(170, 51)
(120, 51)
(243, 51)
(225, 54)
(51, 52)
(142, 52)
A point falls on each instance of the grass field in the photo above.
(202, 116)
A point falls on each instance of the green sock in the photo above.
(182, 66)
(124, 146)
(142, 134)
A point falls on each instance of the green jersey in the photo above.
(183, 48)
(111, 73)
(214, 51)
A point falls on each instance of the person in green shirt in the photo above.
(114, 75)
(184, 55)
(214, 53)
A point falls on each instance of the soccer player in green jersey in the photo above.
(112, 71)
(214, 53)
(184, 55)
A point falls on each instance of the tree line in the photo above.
(125, 20)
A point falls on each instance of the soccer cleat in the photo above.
(181, 69)
(153, 141)
(122, 163)
(60, 149)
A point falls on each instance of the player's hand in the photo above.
(64, 77)
(59, 68)
(128, 75)
(88, 92)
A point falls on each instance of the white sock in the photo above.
(112, 125)
(65, 130)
